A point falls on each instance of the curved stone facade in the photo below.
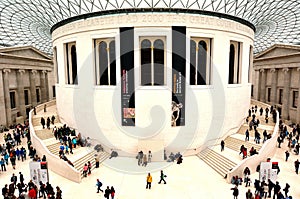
(209, 97)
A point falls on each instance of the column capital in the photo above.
(273, 70)
(21, 71)
(261, 70)
(6, 70)
(44, 71)
(33, 72)
(298, 69)
(285, 70)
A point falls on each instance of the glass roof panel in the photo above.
(28, 22)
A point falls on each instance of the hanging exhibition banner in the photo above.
(178, 75)
(127, 76)
(39, 172)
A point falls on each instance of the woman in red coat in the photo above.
(32, 193)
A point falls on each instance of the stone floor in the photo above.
(190, 180)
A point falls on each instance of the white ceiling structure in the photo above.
(28, 22)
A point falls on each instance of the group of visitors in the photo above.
(47, 121)
(107, 192)
(143, 159)
(30, 189)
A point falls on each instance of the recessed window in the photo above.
(280, 96)
(54, 91)
(152, 61)
(38, 97)
(55, 63)
(250, 63)
(71, 63)
(200, 67)
(12, 95)
(26, 97)
(105, 56)
(268, 94)
(295, 99)
(235, 60)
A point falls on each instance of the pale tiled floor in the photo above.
(192, 179)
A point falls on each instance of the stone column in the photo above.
(6, 96)
(274, 73)
(262, 85)
(20, 90)
(43, 86)
(256, 88)
(298, 104)
(47, 86)
(2, 101)
(32, 77)
(286, 93)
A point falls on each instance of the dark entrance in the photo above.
(27, 112)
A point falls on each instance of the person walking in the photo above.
(48, 123)
(99, 185)
(276, 190)
(162, 177)
(286, 189)
(222, 145)
(149, 181)
(58, 193)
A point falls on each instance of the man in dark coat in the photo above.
(43, 122)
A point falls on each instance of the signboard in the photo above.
(39, 172)
(268, 170)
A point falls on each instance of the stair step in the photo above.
(216, 161)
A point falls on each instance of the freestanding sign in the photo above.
(267, 172)
(39, 172)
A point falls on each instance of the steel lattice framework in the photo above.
(28, 22)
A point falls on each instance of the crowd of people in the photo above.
(268, 188)
(14, 150)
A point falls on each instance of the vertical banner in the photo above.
(127, 76)
(178, 75)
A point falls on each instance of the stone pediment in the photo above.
(279, 50)
(26, 51)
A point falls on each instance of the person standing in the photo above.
(287, 155)
(21, 178)
(107, 192)
(249, 194)
(58, 193)
(149, 156)
(247, 135)
(276, 190)
(162, 177)
(145, 160)
(97, 163)
(48, 123)
(43, 122)
(149, 181)
(112, 192)
(52, 119)
(99, 184)
(297, 166)
(222, 145)
(235, 192)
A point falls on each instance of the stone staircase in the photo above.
(216, 161)
(235, 144)
(79, 163)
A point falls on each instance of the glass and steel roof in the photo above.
(28, 22)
